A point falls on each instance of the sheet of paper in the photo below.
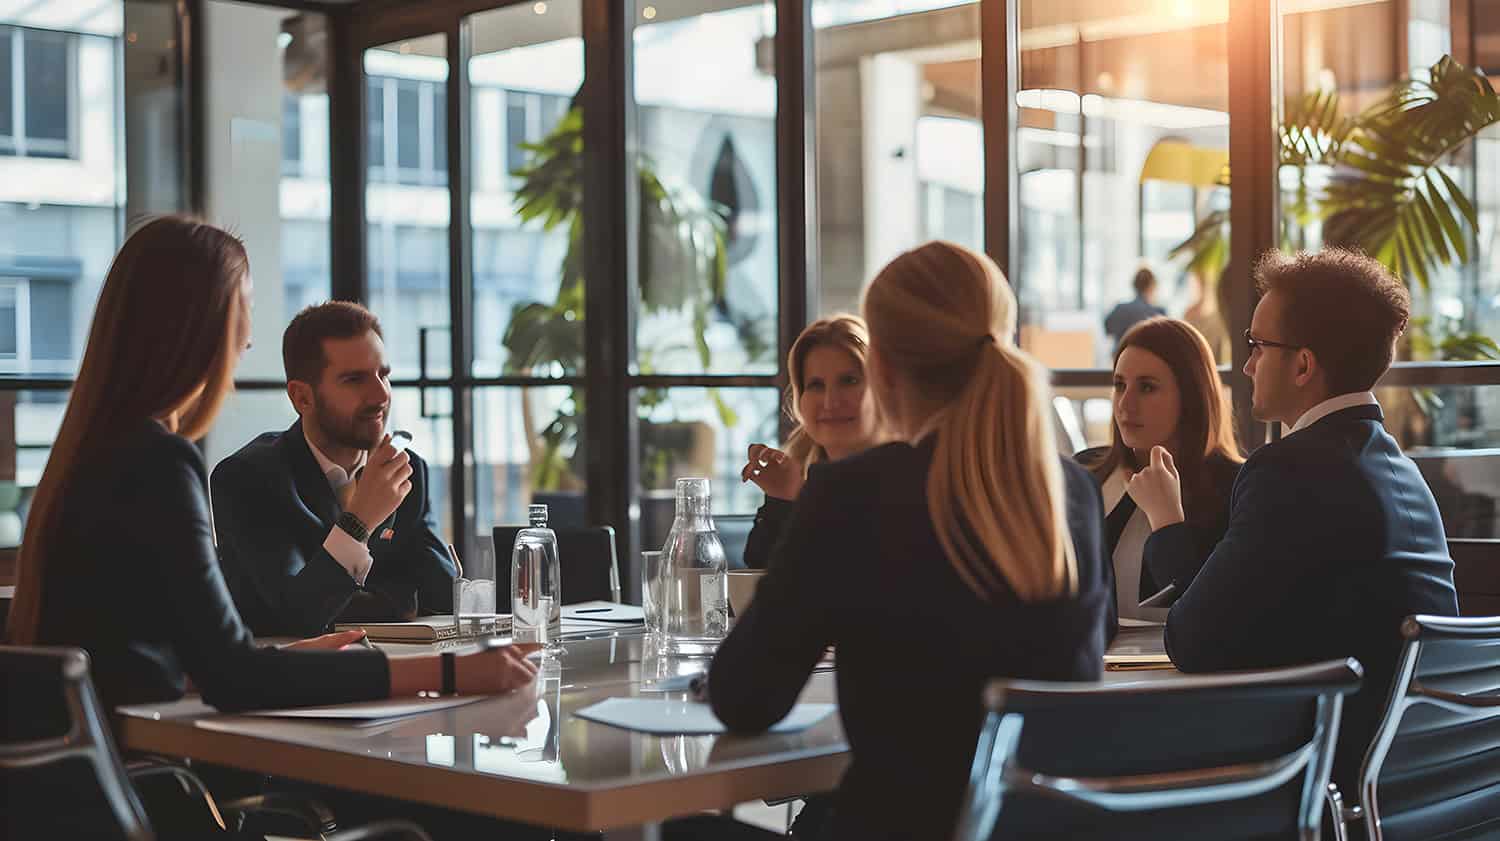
(1127, 622)
(663, 717)
(363, 710)
(604, 612)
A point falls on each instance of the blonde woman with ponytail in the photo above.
(830, 401)
(966, 550)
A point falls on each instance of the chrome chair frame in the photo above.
(1407, 692)
(86, 738)
(996, 768)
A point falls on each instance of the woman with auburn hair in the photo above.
(964, 551)
(118, 557)
(830, 401)
(1167, 394)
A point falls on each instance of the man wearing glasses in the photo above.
(1333, 535)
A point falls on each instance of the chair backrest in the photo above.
(734, 533)
(1238, 756)
(590, 569)
(60, 772)
(1433, 768)
(1476, 574)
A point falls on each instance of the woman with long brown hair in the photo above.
(1166, 393)
(118, 556)
(830, 401)
(966, 550)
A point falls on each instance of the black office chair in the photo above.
(1433, 767)
(734, 533)
(63, 778)
(590, 570)
(1229, 757)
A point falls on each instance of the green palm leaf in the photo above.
(1392, 197)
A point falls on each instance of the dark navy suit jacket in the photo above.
(1333, 539)
(273, 508)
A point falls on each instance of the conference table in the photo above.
(526, 756)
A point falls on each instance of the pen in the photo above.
(594, 610)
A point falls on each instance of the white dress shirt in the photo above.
(1337, 403)
(352, 555)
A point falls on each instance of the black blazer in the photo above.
(859, 567)
(136, 584)
(1210, 519)
(770, 520)
(273, 508)
(1333, 539)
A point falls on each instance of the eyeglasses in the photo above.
(1260, 343)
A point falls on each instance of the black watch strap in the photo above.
(450, 683)
(353, 526)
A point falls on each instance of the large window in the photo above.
(38, 75)
(62, 203)
(900, 155)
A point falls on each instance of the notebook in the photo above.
(431, 628)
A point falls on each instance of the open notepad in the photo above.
(1137, 647)
(371, 712)
(431, 628)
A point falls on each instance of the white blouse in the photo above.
(1129, 553)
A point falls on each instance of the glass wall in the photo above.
(1123, 147)
(266, 160)
(527, 225)
(705, 432)
(62, 213)
(62, 186)
(406, 204)
(900, 155)
(708, 285)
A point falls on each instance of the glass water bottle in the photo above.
(536, 583)
(694, 584)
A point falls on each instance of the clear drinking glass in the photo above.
(474, 596)
(536, 584)
(651, 605)
(695, 587)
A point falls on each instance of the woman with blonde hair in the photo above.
(830, 401)
(964, 551)
(118, 557)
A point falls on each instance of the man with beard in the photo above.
(328, 520)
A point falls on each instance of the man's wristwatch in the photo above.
(450, 682)
(353, 526)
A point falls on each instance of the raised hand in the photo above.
(1157, 490)
(382, 485)
(773, 472)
